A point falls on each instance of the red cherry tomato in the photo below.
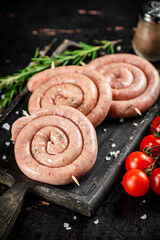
(136, 183)
(154, 179)
(155, 125)
(138, 160)
(150, 141)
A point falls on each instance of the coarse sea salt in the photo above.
(107, 158)
(68, 228)
(144, 216)
(96, 221)
(113, 145)
(135, 124)
(17, 112)
(114, 153)
(105, 130)
(66, 224)
(119, 48)
(6, 126)
(74, 217)
(7, 143)
(121, 120)
(4, 157)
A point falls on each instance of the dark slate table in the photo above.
(26, 25)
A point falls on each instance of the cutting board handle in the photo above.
(11, 203)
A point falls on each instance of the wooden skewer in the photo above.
(25, 113)
(75, 180)
(52, 65)
(138, 111)
(82, 63)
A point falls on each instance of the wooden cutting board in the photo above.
(115, 136)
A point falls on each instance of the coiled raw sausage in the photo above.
(74, 86)
(135, 83)
(55, 144)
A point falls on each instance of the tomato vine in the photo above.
(142, 168)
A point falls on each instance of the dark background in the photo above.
(23, 25)
(26, 25)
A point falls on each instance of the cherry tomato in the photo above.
(155, 124)
(154, 179)
(150, 141)
(138, 160)
(136, 183)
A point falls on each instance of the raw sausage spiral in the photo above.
(135, 83)
(55, 144)
(73, 86)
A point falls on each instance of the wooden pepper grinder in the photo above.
(146, 40)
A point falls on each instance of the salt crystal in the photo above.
(143, 201)
(17, 112)
(68, 228)
(6, 126)
(4, 157)
(119, 48)
(115, 154)
(144, 216)
(118, 151)
(96, 221)
(121, 120)
(113, 145)
(135, 124)
(104, 130)
(66, 225)
(107, 158)
(112, 153)
(74, 217)
(7, 143)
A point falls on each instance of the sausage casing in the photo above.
(135, 83)
(74, 86)
(55, 144)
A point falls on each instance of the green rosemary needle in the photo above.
(10, 86)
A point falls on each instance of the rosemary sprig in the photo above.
(12, 85)
(75, 57)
